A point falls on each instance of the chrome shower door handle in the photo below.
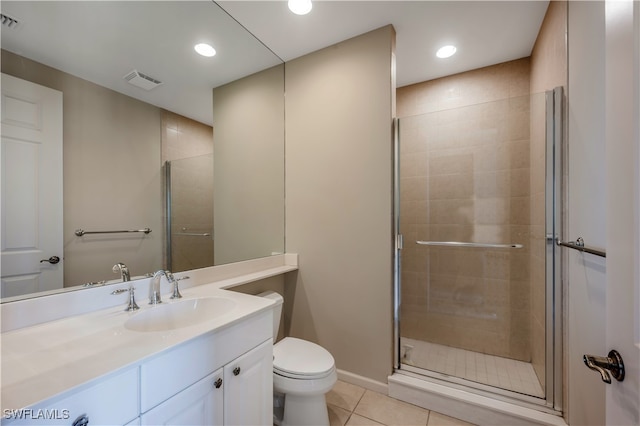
(609, 366)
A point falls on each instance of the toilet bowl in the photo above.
(303, 372)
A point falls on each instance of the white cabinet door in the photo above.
(248, 381)
(199, 404)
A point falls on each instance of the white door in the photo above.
(31, 188)
(623, 206)
(248, 394)
(603, 207)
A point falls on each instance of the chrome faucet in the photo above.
(154, 287)
(123, 270)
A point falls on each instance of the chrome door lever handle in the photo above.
(610, 366)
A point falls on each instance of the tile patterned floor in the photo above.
(491, 370)
(351, 405)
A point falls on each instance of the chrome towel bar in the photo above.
(194, 234)
(81, 232)
(465, 244)
(579, 245)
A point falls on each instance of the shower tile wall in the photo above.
(465, 177)
(188, 144)
(184, 138)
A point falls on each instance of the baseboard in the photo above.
(476, 409)
(363, 382)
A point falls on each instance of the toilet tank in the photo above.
(277, 310)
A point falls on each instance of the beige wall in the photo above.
(248, 117)
(276, 284)
(548, 70)
(112, 177)
(339, 200)
(465, 177)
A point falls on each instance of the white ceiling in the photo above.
(485, 32)
(103, 41)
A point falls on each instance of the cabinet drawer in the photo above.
(170, 372)
(110, 401)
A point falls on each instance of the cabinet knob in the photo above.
(82, 420)
(217, 383)
(236, 371)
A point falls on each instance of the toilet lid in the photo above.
(298, 357)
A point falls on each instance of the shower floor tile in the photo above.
(490, 370)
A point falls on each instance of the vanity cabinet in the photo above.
(221, 377)
(217, 378)
(240, 393)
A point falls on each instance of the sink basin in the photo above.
(183, 313)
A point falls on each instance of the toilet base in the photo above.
(305, 410)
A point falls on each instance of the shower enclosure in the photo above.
(189, 213)
(476, 210)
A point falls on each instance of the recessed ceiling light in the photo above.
(300, 7)
(205, 49)
(446, 51)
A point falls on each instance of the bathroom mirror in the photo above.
(135, 95)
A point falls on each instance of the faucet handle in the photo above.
(132, 305)
(176, 291)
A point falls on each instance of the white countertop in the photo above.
(47, 359)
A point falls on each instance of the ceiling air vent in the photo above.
(8, 21)
(141, 80)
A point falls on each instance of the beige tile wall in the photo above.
(188, 144)
(192, 213)
(183, 137)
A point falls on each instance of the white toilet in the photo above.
(303, 373)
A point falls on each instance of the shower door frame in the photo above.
(553, 399)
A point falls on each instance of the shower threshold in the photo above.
(471, 405)
(494, 371)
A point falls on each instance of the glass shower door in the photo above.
(472, 185)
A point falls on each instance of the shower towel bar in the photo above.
(579, 245)
(81, 232)
(194, 234)
(464, 244)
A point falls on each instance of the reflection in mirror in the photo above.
(116, 136)
(189, 195)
